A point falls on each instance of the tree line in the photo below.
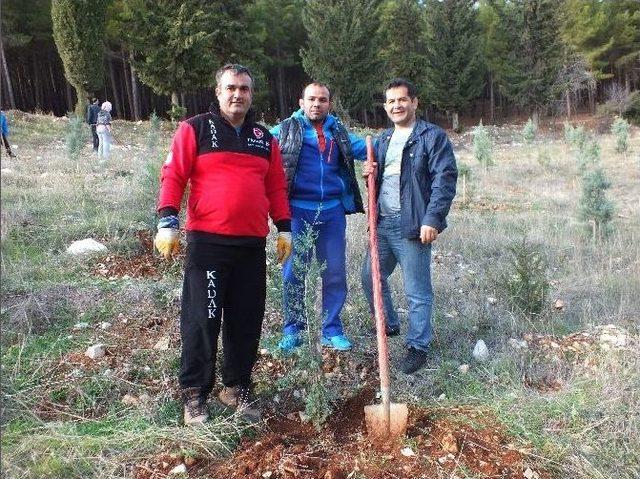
(487, 58)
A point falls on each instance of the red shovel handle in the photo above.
(383, 352)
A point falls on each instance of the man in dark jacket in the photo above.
(415, 183)
(318, 154)
(234, 171)
(92, 117)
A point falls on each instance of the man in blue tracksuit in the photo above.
(318, 157)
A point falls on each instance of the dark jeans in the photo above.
(224, 288)
(414, 259)
(94, 136)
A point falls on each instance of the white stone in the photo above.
(84, 246)
(162, 344)
(442, 397)
(179, 469)
(463, 368)
(81, 325)
(130, 400)
(480, 351)
(96, 351)
(267, 474)
(6, 172)
(407, 451)
(517, 343)
(105, 325)
(491, 300)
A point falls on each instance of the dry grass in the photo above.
(587, 428)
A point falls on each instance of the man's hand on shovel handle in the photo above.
(428, 234)
(368, 168)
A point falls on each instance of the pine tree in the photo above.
(78, 31)
(533, 62)
(606, 33)
(178, 46)
(403, 41)
(341, 50)
(454, 67)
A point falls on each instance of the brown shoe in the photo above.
(241, 399)
(195, 407)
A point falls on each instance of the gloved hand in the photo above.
(167, 240)
(283, 246)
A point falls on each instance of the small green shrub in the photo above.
(529, 131)
(525, 280)
(544, 158)
(177, 112)
(576, 137)
(620, 129)
(589, 155)
(153, 138)
(595, 209)
(482, 146)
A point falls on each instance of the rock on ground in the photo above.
(88, 245)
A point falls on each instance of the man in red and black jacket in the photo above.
(236, 180)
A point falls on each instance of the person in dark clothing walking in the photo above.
(416, 183)
(234, 171)
(91, 118)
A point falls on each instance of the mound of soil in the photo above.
(439, 443)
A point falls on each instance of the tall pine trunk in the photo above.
(7, 79)
(125, 80)
(114, 88)
(135, 93)
(492, 101)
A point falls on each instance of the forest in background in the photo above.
(489, 59)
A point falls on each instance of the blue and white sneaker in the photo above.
(339, 342)
(289, 343)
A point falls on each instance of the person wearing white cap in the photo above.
(103, 129)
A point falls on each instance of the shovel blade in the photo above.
(376, 421)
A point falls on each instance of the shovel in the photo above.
(387, 420)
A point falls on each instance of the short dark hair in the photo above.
(399, 82)
(317, 83)
(235, 68)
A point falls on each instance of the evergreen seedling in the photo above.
(153, 137)
(589, 155)
(620, 129)
(529, 131)
(305, 265)
(525, 282)
(576, 137)
(595, 209)
(482, 146)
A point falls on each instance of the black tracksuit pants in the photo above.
(224, 288)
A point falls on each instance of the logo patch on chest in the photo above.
(257, 132)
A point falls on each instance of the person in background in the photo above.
(92, 118)
(415, 185)
(103, 129)
(234, 170)
(4, 126)
(318, 155)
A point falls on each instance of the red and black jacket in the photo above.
(236, 180)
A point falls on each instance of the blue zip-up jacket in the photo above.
(4, 126)
(320, 179)
(428, 176)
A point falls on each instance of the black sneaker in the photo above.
(414, 360)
